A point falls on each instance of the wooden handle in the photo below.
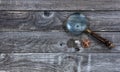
(101, 39)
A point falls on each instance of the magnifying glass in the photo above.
(78, 23)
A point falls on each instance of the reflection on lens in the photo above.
(76, 23)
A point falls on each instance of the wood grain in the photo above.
(104, 62)
(33, 42)
(37, 62)
(31, 21)
(59, 62)
(50, 42)
(60, 5)
(50, 20)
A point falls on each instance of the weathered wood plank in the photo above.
(25, 42)
(31, 21)
(33, 42)
(59, 5)
(47, 21)
(103, 62)
(59, 62)
(39, 62)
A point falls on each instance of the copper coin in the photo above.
(85, 43)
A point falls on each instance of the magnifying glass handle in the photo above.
(101, 39)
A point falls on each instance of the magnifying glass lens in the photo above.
(76, 23)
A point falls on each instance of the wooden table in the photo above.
(32, 38)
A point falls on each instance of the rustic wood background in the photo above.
(32, 37)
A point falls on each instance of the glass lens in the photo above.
(76, 23)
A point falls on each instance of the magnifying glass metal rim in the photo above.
(71, 29)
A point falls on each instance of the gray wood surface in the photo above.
(32, 39)
(52, 42)
(39, 62)
(59, 62)
(47, 21)
(101, 62)
(59, 5)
